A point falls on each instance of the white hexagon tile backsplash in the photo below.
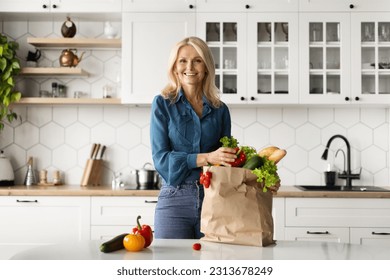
(58, 142)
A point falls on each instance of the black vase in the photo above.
(68, 28)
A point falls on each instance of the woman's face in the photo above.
(189, 66)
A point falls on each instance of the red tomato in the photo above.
(196, 246)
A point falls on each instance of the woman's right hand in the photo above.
(223, 156)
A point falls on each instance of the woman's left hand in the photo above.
(222, 156)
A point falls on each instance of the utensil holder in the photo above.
(92, 172)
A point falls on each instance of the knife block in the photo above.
(92, 172)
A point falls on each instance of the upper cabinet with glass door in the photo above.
(256, 55)
(272, 58)
(324, 58)
(371, 57)
(226, 36)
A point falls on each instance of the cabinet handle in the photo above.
(317, 232)
(346, 98)
(247, 7)
(380, 233)
(253, 98)
(191, 6)
(150, 201)
(357, 98)
(54, 6)
(27, 201)
(242, 98)
(351, 6)
(44, 6)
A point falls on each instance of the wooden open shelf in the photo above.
(52, 71)
(62, 43)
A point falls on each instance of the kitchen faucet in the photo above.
(347, 175)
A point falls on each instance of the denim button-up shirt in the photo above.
(178, 135)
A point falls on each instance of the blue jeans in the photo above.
(178, 211)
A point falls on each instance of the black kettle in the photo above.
(31, 56)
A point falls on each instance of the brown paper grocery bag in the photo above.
(235, 209)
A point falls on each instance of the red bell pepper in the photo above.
(241, 158)
(205, 178)
(231, 142)
(145, 231)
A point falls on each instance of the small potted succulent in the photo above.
(9, 68)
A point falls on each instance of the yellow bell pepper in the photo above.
(134, 242)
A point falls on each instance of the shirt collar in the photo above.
(181, 97)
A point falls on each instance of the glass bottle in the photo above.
(54, 89)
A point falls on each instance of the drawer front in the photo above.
(371, 236)
(42, 220)
(338, 212)
(324, 234)
(122, 210)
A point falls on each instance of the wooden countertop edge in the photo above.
(74, 190)
(292, 191)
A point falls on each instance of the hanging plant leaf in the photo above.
(9, 68)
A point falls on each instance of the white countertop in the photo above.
(181, 249)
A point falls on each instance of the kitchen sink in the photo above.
(341, 188)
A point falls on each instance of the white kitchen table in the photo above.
(181, 249)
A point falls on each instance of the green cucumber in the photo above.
(254, 162)
(114, 244)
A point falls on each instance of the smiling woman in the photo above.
(191, 70)
(187, 121)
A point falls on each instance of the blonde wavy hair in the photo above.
(210, 90)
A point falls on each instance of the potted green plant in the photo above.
(9, 68)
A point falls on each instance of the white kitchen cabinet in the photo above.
(272, 58)
(256, 55)
(371, 57)
(61, 6)
(278, 215)
(247, 5)
(111, 216)
(147, 41)
(29, 221)
(343, 5)
(325, 58)
(344, 55)
(321, 234)
(336, 219)
(225, 33)
(371, 236)
(158, 5)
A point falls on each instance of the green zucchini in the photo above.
(114, 244)
(254, 162)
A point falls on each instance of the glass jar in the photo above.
(61, 91)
